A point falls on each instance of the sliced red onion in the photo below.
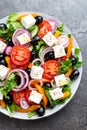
(23, 76)
(48, 49)
(8, 50)
(24, 104)
(20, 32)
(53, 23)
(38, 81)
(63, 40)
(53, 84)
(35, 60)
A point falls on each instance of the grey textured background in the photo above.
(74, 14)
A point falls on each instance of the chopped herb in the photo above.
(60, 27)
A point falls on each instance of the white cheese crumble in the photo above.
(36, 72)
(49, 39)
(2, 46)
(23, 38)
(35, 97)
(60, 80)
(28, 21)
(56, 93)
(59, 51)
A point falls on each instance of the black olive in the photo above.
(33, 55)
(1, 56)
(41, 111)
(28, 72)
(8, 99)
(35, 40)
(9, 42)
(74, 75)
(49, 55)
(2, 25)
(47, 85)
(39, 19)
(73, 60)
(3, 62)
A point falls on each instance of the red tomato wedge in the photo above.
(20, 56)
(44, 27)
(17, 96)
(50, 69)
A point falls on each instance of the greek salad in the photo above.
(38, 63)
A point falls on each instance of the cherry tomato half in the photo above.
(50, 69)
(17, 96)
(44, 27)
(20, 56)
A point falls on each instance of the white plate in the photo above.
(74, 85)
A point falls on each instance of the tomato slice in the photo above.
(50, 69)
(20, 55)
(27, 94)
(17, 96)
(44, 27)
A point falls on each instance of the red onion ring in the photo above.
(48, 49)
(37, 59)
(8, 50)
(52, 83)
(24, 104)
(20, 32)
(53, 23)
(23, 75)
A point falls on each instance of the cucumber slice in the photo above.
(34, 31)
(41, 49)
(31, 48)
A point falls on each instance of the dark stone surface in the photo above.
(74, 14)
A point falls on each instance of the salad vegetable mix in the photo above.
(38, 63)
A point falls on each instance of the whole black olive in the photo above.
(39, 19)
(47, 85)
(8, 99)
(41, 111)
(49, 55)
(2, 25)
(3, 62)
(35, 40)
(74, 75)
(9, 42)
(33, 55)
(28, 72)
(1, 56)
(73, 60)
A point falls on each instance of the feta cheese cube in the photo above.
(28, 21)
(56, 93)
(35, 97)
(36, 72)
(59, 51)
(23, 38)
(3, 72)
(1, 95)
(49, 39)
(60, 80)
(2, 46)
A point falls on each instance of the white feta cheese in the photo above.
(23, 38)
(49, 39)
(2, 46)
(28, 21)
(59, 51)
(35, 97)
(56, 93)
(3, 72)
(36, 72)
(1, 95)
(60, 80)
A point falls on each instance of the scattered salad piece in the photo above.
(38, 63)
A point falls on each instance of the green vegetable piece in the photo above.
(40, 43)
(64, 66)
(31, 114)
(60, 27)
(12, 17)
(34, 31)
